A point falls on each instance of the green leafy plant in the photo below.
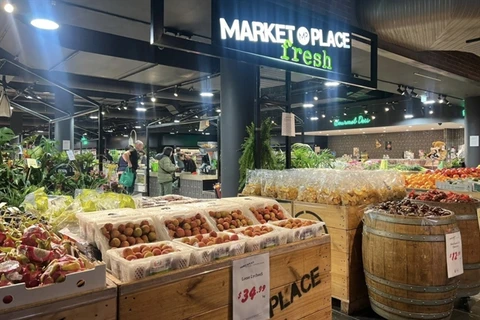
(267, 157)
(304, 157)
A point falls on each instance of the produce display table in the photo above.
(205, 291)
(98, 304)
(344, 225)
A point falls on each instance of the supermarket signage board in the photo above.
(276, 33)
(264, 33)
(359, 120)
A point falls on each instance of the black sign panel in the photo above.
(274, 34)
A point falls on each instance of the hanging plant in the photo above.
(267, 158)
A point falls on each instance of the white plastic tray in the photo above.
(314, 230)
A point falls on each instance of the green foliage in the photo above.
(304, 157)
(267, 158)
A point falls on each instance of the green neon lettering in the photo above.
(296, 52)
(317, 60)
(327, 61)
(307, 57)
(287, 44)
(352, 122)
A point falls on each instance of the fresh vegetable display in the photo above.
(407, 208)
(230, 220)
(269, 213)
(186, 227)
(145, 251)
(428, 179)
(35, 257)
(211, 239)
(128, 234)
(440, 196)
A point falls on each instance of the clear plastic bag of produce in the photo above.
(310, 183)
(269, 187)
(95, 200)
(164, 256)
(287, 184)
(330, 189)
(253, 186)
(57, 211)
(357, 188)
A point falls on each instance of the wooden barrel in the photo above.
(467, 221)
(404, 259)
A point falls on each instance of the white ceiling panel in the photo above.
(164, 76)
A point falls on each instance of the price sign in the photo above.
(454, 254)
(70, 155)
(32, 163)
(251, 288)
(288, 124)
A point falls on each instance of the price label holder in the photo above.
(454, 254)
(32, 163)
(70, 155)
(251, 288)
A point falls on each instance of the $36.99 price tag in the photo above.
(251, 288)
(454, 254)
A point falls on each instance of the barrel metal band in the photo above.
(429, 289)
(407, 315)
(411, 301)
(408, 237)
(412, 221)
(471, 266)
(466, 217)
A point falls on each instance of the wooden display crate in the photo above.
(344, 224)
(205, 292)
(96, 304)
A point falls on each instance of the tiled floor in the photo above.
(458, 314)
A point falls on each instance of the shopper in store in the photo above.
(179, 159)
(166, 171)
(190, 165)
(132, 156)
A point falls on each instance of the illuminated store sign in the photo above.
(276, 33)
(352, 122)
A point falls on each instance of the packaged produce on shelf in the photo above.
(262, 236)
(212, 246)
(334, 187)
(428, 179)
(300, 229)
(253, 185)
(440, 196)
(144, 260)
(93, 200)
(57, 211)
(181, 225)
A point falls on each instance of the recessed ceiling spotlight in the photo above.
(103, 113)
(440, 99)
(430, 110)
(373, 116)
(308, 105)
(153, 99)
(365, 109)
(331, 120)
(125, 107)
(332, 84)
(315, 98)
(323, 115)
(138, 127)
(408, 116)
(314, 118)
(175, 93)
(142, 103)
(141, 109)
(45, 24)
(218, 110)
(176, 121)
(206, 94)
(8, 7)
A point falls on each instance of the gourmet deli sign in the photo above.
(274, 35)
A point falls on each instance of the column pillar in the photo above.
(472, 128)
(16, 122)
(238, 102)
(64, 130)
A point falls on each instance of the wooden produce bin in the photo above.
(205, 292)
(97, 304)
(344, 224)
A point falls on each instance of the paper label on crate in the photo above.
(160, 265)
(454, 254)
(221, 253)
(251, 288)
(270, 242)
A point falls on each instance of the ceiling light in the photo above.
(207, 133)
(400, 90)
(440, 99)
(429, 102)
(314, 118)
(8, 7)
(171, 132)
(40, 131)
(142, 103)
(125, 135)
(28, 97)
(408, 116)
(430, 111)
(138, 127)
(125, 107)
(176, 121)
(323, 115)
(118, 108)
(175, 93)
(373, 117)
(93, 116)
(365, 110)
(331, 120)
(196, 117)
(218, 110)
(315, 98)
(413, 93)
(141, 109)
(206, 94)
(103, 112)
(445, 100)
(44, 24)
(332, 84)
(336, 120)
(308, 105)
(11, 108)
(387, 108)
(153, 99)
(344, 113)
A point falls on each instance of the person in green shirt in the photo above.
(166, 170)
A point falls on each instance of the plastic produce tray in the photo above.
(228, 208)
(126, 270)
(162, 230)
(302, 233)
(258, 203)
(278, 236)
(217, 251)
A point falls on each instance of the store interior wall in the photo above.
(401, 141)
